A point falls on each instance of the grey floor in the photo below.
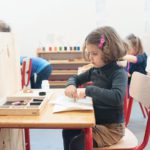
(44, 139)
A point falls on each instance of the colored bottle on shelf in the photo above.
(70, 48)
(43, 48)
(60, 48)
(38, 49)
(78, 48)
(55, 48)
(65, 48)
(74, 48)
(50, 48)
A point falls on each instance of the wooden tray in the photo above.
(21, 105)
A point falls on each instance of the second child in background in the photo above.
(41, 70)
(136, 57)
(102, 47)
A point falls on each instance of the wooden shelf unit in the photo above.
(65, 64)
(63, 55)
(57, 84)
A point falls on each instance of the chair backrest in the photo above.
(26, 71)
(148, 65)
(140, 88)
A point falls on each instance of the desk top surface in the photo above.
(47, 119)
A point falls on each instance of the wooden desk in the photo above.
(75, 119)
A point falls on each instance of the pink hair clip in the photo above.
(101, 42)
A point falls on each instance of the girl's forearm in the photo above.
(130, 58)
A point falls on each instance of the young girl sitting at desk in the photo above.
(102, 47)
(136, 57)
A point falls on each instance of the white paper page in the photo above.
(64, 103)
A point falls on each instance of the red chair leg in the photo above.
(146, 136)
(146, 111)
(125, 105)
(27, 138)
(142, 109)
(88, 139)
(129, 110)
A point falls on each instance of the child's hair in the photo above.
(135, 43)
(4, 27)
(126, 45)
(108, 41)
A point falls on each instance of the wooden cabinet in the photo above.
(65, 64)
(60, 55)
(10, 81)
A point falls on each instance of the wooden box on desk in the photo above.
(17, 106)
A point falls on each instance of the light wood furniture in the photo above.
(62, 70)
(10, 81)
(74, 119)
(139, 90)
(19, 106)
(79, 119)
(128, 141)
(57, 55)
(65, 64)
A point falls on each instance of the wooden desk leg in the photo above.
(27, 138)
(88, 139)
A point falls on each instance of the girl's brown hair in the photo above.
(112, 47)
(135, 43)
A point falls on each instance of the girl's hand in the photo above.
(84, 68)
(129, 75)
(82, 94)
(71, 91)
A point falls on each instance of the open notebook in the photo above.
(64, 103)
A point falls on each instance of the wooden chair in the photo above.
(139, 90)
(129, 108)
(148, 66)
(131, 99)
(148, 73)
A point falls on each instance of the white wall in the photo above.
(127, 16)
(42, 22)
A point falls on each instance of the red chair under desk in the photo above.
(26, 71)
(141, 94)
(129, 108)
(130, 99)
(129, 103)
(26, 74)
